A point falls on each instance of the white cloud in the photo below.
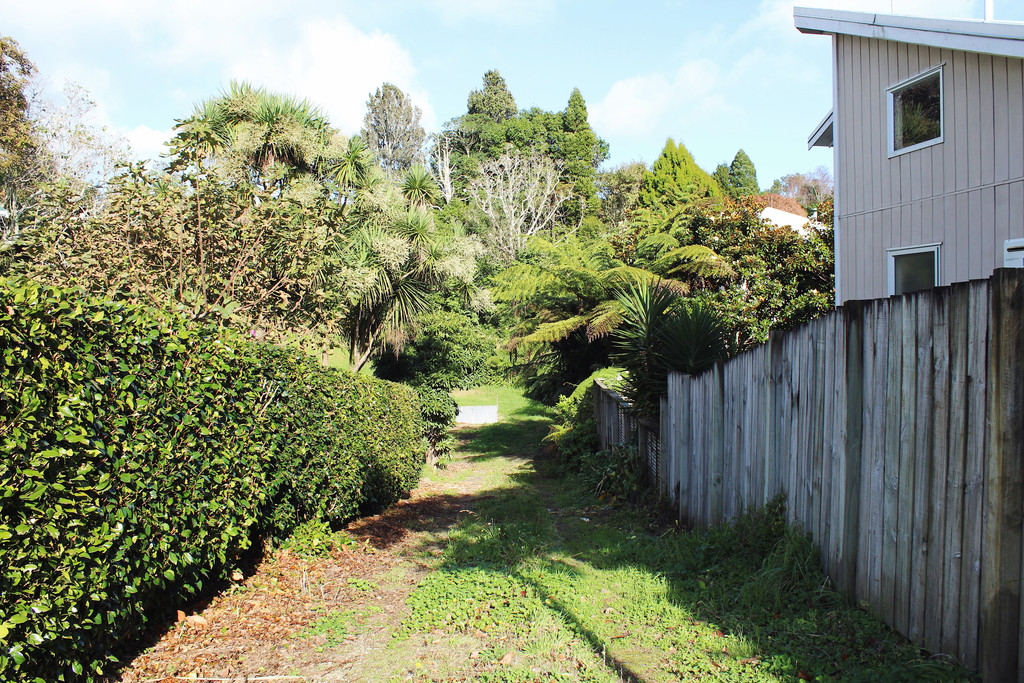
(642, 105)
(147, 143)
(330, 62)
(336, 66)
(494, 11)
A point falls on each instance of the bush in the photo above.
(141, 457)
(341, 443)
(451, 350)
(617, 472)
(439, 411)
(574, 432)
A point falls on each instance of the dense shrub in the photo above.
(342, 443)
(451, 350)
(142, 456)
(439, 411)
(574, 432)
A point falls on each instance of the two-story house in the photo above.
(927, 128)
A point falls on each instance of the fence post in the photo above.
(717, 445)
(854, 332)
(999, 635)
(664, 432)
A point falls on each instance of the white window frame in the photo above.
(891, 114)
(933, 247)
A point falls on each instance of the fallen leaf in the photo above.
(507, 659)
(196, 620)
(804, 676)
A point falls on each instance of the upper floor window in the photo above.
(915, 112)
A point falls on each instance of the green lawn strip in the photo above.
(509, 399)
(554, 584)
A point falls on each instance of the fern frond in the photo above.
(695, 259)
(627, 275)
(655, 244)
(555, 331)
(521, 281)
(604, 318)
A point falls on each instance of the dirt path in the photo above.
(494, 572)
(333, 618)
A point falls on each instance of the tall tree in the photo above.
(519, 196)
(721, 176)
(401, 259)
(581, 151)
(494, 101)
(810, 188)
(483, 131)
(48, 147)
(392, 129)
(441, 148)
(742, 176)
(676, 179)
(619, 190)
(15, 128)
(268, 137)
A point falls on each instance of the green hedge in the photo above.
(140, 457)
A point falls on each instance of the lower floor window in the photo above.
(913, 268)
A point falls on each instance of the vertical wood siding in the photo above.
(966, 192)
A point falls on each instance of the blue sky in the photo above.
(716, 76)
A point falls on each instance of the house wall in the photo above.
(966, 192)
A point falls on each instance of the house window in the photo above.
(915, 112)
(913, 268)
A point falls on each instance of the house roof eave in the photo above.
(971, 35)
(823, 133)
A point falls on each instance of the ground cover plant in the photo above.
(498, 568)
(144, 454)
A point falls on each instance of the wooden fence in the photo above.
(617, 425)
(895, 428)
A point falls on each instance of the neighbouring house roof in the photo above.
(785, 219)
(972, 35)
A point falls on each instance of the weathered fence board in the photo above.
(895, 428)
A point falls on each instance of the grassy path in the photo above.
(497, 570)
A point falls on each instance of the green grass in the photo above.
(333, 628)
(510, 400)
(522, 423)
(338, 358)
(581, 590)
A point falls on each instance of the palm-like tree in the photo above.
(419, 187)
(660, 332)
(402, 258)
(270, 136)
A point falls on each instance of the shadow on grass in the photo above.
(742, 601)
(518, 434)
(431, 514)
